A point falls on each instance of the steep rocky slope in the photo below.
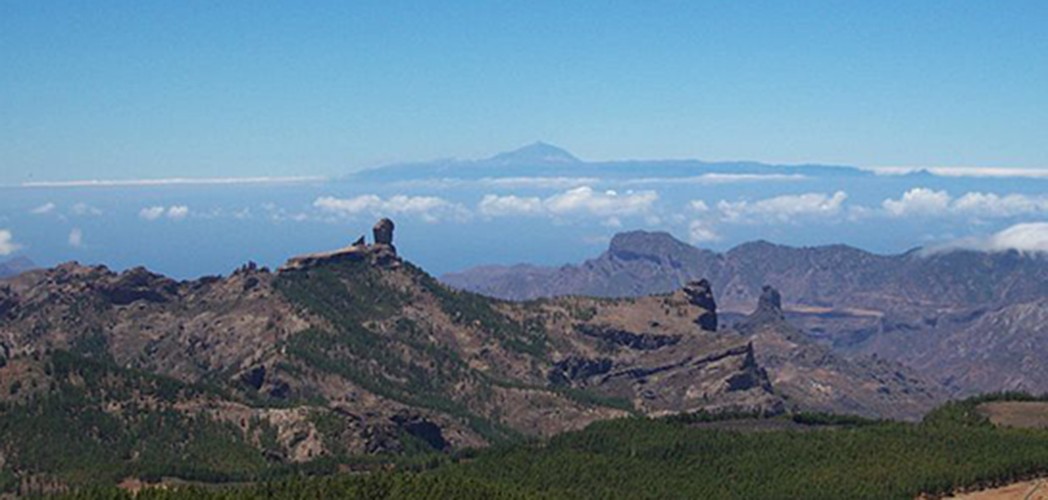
(968, 320)
(812, 377)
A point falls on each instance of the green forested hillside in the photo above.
(811, 456)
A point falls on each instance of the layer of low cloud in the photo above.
(1028, 237)
(783, 208)
(428, 208)
(778, 209)
(928, 202)
(173, 212)
(7, 243)
(583, 200)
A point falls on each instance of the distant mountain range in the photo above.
(545, 160)
(971, 320)
(15, 266)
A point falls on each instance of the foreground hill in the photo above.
(970, 320)
(955, 448)
(357, 353)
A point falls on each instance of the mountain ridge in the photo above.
(356, 352)
(541, 159)
(910, 307)
(15, 266)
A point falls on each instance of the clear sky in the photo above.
(201, 88)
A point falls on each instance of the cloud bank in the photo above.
(782, 208)
(173, 212)
(429, 208)
(1028, 237)
(583, 200)
(926, 202)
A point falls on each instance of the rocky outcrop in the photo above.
(382, 253)
(383, 232)
(814, 378)
(768, 311)
(577, 369)
(139, 284)
(751, 375)
(615, 337)
(421, 428)
(701, 294)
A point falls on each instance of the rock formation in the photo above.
(701, 294)
(383, 232)
(382, 253)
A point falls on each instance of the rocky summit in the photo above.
(357, 352)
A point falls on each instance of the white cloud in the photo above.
(586, 200)
(993, 205)
(177, 212)
(1028, 237)
(918, 201)
(84, 209)
(699, 206)
(429, 208)
(700, 231)
(583, 200)
(496, 206)
(783, 208)
(151, 213)
(924, 201)
(46, 208)
(76, 238)
(7, 243)
(1025, 237)
(174, 212)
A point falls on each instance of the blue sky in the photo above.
(165, 89)
(139, 91)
